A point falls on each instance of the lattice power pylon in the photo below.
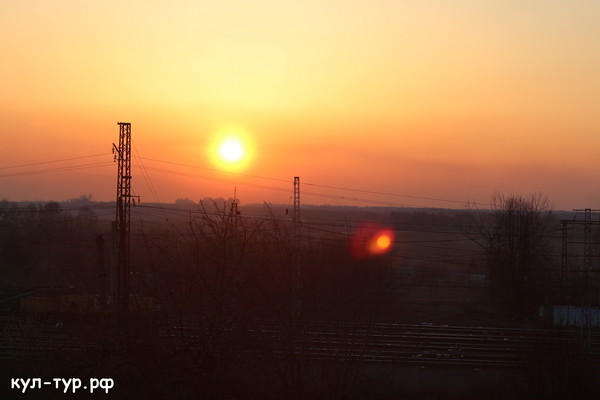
(296, 273)
(123, 157)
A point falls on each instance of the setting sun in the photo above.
(231, 149)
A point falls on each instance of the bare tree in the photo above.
(514, 235)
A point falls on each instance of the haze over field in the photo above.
(435, 99)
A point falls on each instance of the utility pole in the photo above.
(231, 233)
(233, 214)
(231, 250)
(296, 282)
(232, 230)
(123, 215)
(564, 266)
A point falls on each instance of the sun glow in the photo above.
(231, 149)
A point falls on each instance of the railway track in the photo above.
(420, 345)
(423, 345)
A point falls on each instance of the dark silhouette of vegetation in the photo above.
(45, 245)
(515, 236)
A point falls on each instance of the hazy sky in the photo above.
(439, 99)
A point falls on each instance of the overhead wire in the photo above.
(218, 170)
(54, 161)
(334, 196)
(146, 176)
(58, 169)
(191, 175)
(144, 169)
(390, 194)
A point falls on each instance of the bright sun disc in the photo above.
(231, 150)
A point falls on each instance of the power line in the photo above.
(274, 188)
(357, 199)
(58, 169)
(152, 188)
(145, 174)
(55, 161)
(287, 181)
(217, 170)
(392, 194)
(190, 175)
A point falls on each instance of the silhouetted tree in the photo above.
(515, 238)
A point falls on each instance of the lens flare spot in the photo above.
(383, 242)
(371, 239)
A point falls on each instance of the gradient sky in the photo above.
(451, 100)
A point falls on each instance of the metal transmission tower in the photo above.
(296, 283)
(233, 215)
(564, 265)
(587, 266)
(123, 156)
(232, 232)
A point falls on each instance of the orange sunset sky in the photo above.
(434, 102)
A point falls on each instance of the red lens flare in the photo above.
(371, 239)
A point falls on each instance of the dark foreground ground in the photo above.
(192, 359)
